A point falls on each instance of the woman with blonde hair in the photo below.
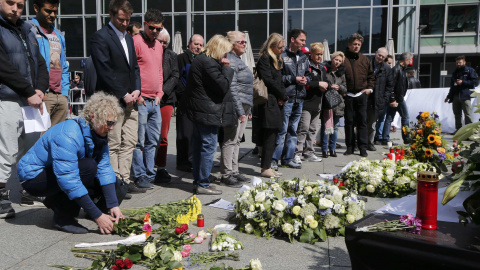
(70, 166)
(270, 115)
(242, 91)
(209, 105)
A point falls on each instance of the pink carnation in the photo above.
(198, 240)
(147, 227)
(185, 253)
(187, 248)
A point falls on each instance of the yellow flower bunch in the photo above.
(195, 209)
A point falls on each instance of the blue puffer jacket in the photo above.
(45, 51)
(61, 147)
(469, 81)
(242, 83)
(15, 49)
(292, 69)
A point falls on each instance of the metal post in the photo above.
(445, 43)
(420, 28)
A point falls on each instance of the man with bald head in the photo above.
(378, 100)
(184, 125)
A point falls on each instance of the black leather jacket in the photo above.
(399, 83)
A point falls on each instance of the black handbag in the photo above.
(331, 99)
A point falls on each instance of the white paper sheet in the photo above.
(408, 205)
(222, 204)
(34, 121)
(131, 240)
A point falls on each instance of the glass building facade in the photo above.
(331, 20)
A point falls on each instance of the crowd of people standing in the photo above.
(118, 145)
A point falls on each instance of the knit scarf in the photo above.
(328, 120)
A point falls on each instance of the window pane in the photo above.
(379, 28)
(256, 25)
(276, 23)
(319, 3)
(462, 18)
(198, 25)
(320, 25)
(220, 5)
(294, 20)
(276, 4)
(167, 23)
(403, 29)
(256, 4)
(433, 17)
(163, 5)
(346, 3)
(380, 2)
(197, 5)
(70, 7)
(180, 5)
(228, 24)
(137, 6)
(91, 28)
(73, 36)
(90, 6)
(359, 22)
(180, 24)
(291, 3)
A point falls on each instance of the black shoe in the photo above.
(162, 177)
(324, 154)
(133, 189)
(184, 168)
(355, 149)
(30, 200)
(348, 152)
(68, 224)
(6, 209)
(230, 181)
(255, 151)
(338, 146)
(363, 153)
(127, 196)
(143, 182)
(242, 178)
(333, 153)
(379, 142)
(206, 191)
(370, 147)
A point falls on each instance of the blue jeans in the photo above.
(380, 124)
(329, 142)
(391, 111)
(149, 124)
(287, 136)
(204, 145)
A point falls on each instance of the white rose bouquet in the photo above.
(226, 242)
(298, 209)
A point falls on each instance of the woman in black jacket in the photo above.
(270, 114)
(209, 106)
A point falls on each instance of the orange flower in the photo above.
(428, 152)
(147, 234)
(147, 217)
(420, 131)
(404, 129)
(413, 146)
(425, 114)
(440, 150)
(431, 138)
(438, 142)
(429, 123)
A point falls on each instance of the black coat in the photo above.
(115, 75)
(270, 114)
(399, 83)
(338, 78)
(206, 93)
(185, 60)
(313, 100)
(170, 77)
(383, 87)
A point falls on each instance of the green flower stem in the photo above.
(87, 256)
(90, 250)
(67, 267)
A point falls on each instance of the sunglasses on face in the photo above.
(241, 42)
(151, 27)
(163, 42)
(111, 123)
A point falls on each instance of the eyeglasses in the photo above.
(241, 42)
(163, 41)
(151, 27)
(111, 123)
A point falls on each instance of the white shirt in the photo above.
(123, 41)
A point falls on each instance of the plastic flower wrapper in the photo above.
(225, 242)
(406, 222)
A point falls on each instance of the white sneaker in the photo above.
(313, 158)
(297, 159)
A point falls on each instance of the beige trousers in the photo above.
(121, 142)
(57, 107)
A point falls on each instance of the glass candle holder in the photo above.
(427, 199)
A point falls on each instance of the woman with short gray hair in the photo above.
(70, 166)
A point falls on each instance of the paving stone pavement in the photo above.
(28, 241)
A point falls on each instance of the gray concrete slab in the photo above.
(29, 242)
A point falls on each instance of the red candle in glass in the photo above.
(200, 220)
(427, 199)
(391, 155)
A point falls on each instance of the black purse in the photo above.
(331, 99)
